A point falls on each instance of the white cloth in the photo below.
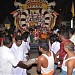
(28, 39)
(26, 47)
(7, 60)
(49, 45)
(55, 31)
(64, 67)
(73, 39)
(18, 53)
(55, 47)
(50, 64)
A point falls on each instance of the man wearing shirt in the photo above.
(17, 50)
(25, 44)
(55, 47)
(7, 59)
(64, 36)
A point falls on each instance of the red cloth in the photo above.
(1, 40)
(62, 53)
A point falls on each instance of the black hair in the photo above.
(71, 30)
(65, 34)
(25, 35)
(53, 37)
(19, 31)
(45, 46)
(59, 32)
(7, 40)
(18, 37)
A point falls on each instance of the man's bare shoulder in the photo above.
(41, 57)
(71, 63)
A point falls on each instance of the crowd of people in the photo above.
(56, 51)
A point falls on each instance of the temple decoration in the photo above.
(35, 13)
